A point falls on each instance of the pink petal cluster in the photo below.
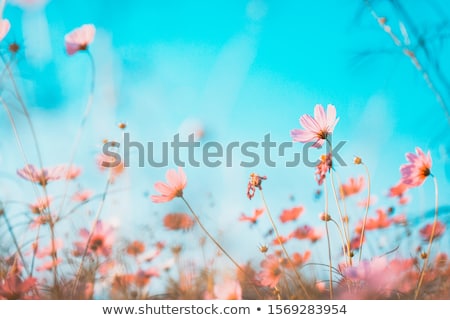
(176, 182)
(79, 38)
(417, 170)
(41, 176)
(5, 25)
(316, 130)
(101, 241)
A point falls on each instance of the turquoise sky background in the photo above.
(242, 69)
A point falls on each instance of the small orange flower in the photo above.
(354, 186)
(178, 221)
(254, 218)
(135, 248)
(291, 214)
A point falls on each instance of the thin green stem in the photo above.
(197, 219)
(16, 243)
(363, 229)
(302, 285)
(345, 231)
(80, 131)
(433, 230)
(328, 240)
(91, 233)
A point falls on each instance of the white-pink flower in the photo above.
(79, 38)
(418, 169)
(5, 25)
(176, 182)
(316, 129)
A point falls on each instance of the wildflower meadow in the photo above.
(258, 150)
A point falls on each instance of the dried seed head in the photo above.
(263, 248)
(357, 160)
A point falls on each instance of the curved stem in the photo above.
(363, 229)
(79, 133)
(197, 219)
(282, 245)
(328, 241)
(430, 242)
(346, 232)
(91, 233)
(16, 244)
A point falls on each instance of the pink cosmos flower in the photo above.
(353, 186)
(253, 218)
(280, 240)
(291, 214)
(5, 25)
(14, 288)
(72, 173)
(299, 259)
(49, 250)
(398, 190)
(79, 38)
(82, 196)
(41, 176)
(41, 205)
(316, 129)
(417, 170)
(368, 202)
(426, 232)
(382, 221)
(271, 273)
(100, 243)
(49, 265)
(105, 162)
(228, 290)
(176, 182)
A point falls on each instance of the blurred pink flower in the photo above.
(380, 222)
(176, 182)
(280, 240)
(299, 259)
(5, 25)
(306, 232)
(105, 162)
(316, 129)
(323, 168)
(417, 170)
(291, 214)
(48, 251)
(14, 288)
(41, 176)
(228, 290)
(271, 273)
(426, 231)
(49, 265)
(353, 186)
(365, 202)
(254, 218)
(178, 221)
(82, 196)
(100, 243)
(41, 205)
(398, 190)
(79, 38)
(72, 173)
